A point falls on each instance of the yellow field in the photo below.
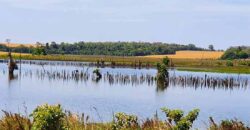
(15, 54)
(180, 55)
(18, 44)
(191, 55)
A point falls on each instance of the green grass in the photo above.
(239, 70)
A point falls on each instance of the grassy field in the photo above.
(4, 54)
(191, 55)
(195, 64)
(13, 45)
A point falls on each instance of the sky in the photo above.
(222, 23)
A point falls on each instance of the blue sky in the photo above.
(223, 23)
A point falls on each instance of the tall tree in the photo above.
(211, 47)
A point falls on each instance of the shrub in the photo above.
(123, 121)
(183, 125)
(175, 115)
(228, 125)
(229, 63)
(14, 122)
(219, 63)
(243, 55)
(165, 61)
(181, 122)
(239, 52)
(97, 72)
(39, 51)
(192, 115)
(48, 117)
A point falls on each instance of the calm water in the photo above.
(101, 99)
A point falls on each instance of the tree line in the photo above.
(104, 48)
(239, 52)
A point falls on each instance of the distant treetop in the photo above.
(238, 52)
(109, 48)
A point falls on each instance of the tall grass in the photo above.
(46, 116)
(12, 121)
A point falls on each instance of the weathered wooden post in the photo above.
(11, 64)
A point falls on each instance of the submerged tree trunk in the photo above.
(11, 64)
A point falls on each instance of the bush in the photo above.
(181, 122)
(183, 125)
(48, 117)
(124, 121)
(219, 63)
(165, 61)
(228, 125)
(175, 115)
(240, 52)
(243, 55)
(39, 51)
(192, 115)
(229, 63)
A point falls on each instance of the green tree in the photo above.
(241, 52)
(243, 55)
(166, 61)
(211, 47)
(39, 51)
(181, 122)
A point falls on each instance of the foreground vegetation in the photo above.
(52, 117)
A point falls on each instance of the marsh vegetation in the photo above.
(53, 117)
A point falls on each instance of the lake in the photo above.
(120, 90)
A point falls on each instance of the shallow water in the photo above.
(101, 99)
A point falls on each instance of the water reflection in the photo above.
(81, 72)
(115, 78)
(161, 86)
(12, 76)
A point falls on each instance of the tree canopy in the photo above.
(116, 48)
(239, 52)
(108, 48)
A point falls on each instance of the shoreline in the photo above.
(199, 65)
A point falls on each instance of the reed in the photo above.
(84, 75)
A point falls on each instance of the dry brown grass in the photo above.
(13, 45)
(191, 55)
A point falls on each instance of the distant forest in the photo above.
(104, 48)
